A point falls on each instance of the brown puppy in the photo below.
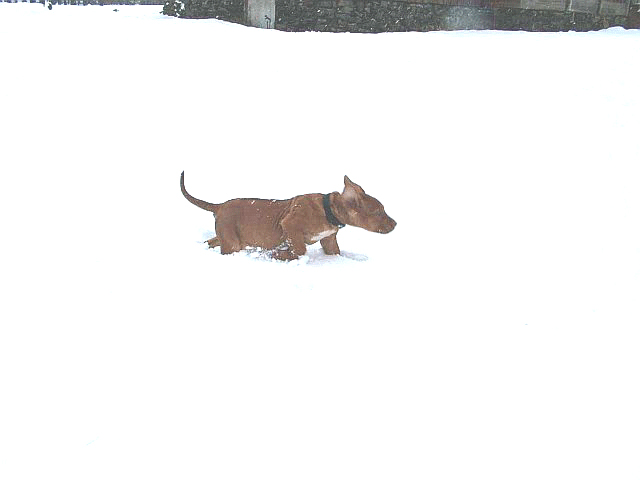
(286, 227)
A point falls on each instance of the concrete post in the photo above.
(260, 13)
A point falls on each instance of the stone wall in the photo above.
(551, 21)
(633, 20)
(229, 10)
(373, 16)
(377, 16)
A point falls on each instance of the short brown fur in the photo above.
(286, 227)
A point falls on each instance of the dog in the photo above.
(286, 227)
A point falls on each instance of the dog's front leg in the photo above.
(330, 245)
(294, 240)
(293, 251)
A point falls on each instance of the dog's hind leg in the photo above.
(213, 242)
(227, 237)
(229, 247)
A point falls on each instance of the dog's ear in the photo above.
(352, 191)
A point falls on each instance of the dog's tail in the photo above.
(211, 207)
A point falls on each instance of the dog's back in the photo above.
(256, 222)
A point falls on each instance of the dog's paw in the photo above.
(282, 255)
(212, 242)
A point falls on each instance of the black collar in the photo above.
(329, 214)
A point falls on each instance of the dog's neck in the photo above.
(326, 203)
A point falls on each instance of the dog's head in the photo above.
(363, 210)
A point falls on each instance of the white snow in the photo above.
(493, 334)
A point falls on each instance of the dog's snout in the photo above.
(390, 225)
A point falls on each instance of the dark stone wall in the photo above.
(377, 16)
(633, 20)
(397, 16)
(374, 16)
(99, 2)
(229, 10)
(550, 21)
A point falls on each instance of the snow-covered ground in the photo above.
(494, 334)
